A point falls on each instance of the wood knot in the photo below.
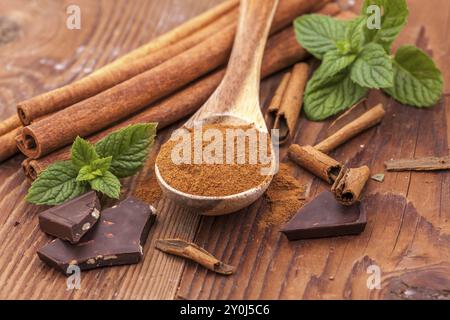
(9, 30)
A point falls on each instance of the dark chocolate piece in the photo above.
(117, 239)
(71, 220)
(325, 217)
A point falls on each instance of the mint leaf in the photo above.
(107, 184)
(96, 169)
(326, 98)
(128, 148)
(373, 68)
(102, 164)
(83, 153)
(86, 174)
(318, 34)
(394, 17)
(417, 80)
(333, 63)
(56, 185)
(355, 33)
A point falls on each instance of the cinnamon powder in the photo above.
(284, 197)
(220, 178)
(148, 190)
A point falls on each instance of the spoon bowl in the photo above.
(218, 205)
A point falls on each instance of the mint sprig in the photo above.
(356, 59)
(98, 167)
(56, 185)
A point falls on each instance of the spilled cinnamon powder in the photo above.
(147, 188)
(284, 197)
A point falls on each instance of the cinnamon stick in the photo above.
(419, 164)
(275, 103)
(8, 146)
(195, 253)
(286, 105)
(9, 124)
(137, 61)
(367, 120)
(330, 9)
(282, 50)
(349, 184)
(315, 161)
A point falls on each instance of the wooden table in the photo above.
(407, 235)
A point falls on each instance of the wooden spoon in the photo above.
(235, 101)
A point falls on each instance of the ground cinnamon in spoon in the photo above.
(206, 171)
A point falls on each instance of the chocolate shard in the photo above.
(117, 239)
(71, 220)
(325, 217)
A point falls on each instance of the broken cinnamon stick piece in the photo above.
(285, 112)
(349, 184)
(367, 120)
(315, 161)
(275, 103)
(419, 164)
(9, 124)
(193, 252)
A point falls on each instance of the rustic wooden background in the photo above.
(407, 236)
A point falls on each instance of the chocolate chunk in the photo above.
(71, 220)
(117, 239)
(325, 217)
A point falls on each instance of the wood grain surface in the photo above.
(407, 235)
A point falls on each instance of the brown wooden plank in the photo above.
(408, 229)
(405, 237)
(45, 55)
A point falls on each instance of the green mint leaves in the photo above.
(82, 153)
(56, 185)
(328, 97)
(394, 18)
(318, 34)
(373, 68)
(128, 147)
(356, 57)
(98, 167)
(418, 82)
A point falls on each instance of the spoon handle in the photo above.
(238, 93)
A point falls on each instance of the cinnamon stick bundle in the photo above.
(315, 161)
(349, 184)
(128, 97)
(282, 50)
(286, 104)
(137, 61)
(367, 120)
